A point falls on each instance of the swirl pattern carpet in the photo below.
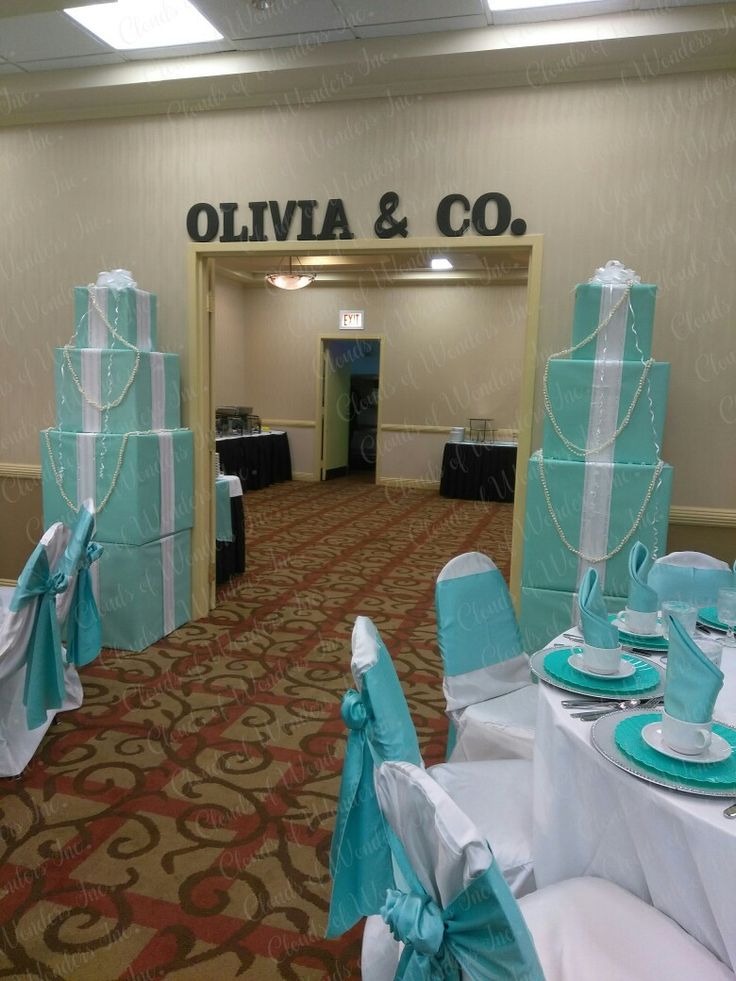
(178, 824)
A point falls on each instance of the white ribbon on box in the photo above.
(603, 416)
(117, 279)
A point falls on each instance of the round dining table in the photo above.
(674, 850)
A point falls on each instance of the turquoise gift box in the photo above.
(143, 591)
(152, 400)
(628, 336)
(616, 493)
(590, 399)
(131, 312)
(546, 613)
(151, 496)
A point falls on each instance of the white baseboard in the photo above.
(310, 477)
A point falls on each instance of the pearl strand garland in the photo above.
(593, 559)
(101, 406)
(582, 450)
(115, 477)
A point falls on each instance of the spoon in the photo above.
(618, 707)
(730, 811)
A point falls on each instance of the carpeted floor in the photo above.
(178, 824)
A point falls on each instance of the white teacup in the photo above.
(602, 660)
(688, 738)
(640, 623)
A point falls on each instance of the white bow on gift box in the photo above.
(117, 279)
(615, 273)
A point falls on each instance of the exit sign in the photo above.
(352, 319)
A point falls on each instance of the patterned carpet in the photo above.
(178, 824)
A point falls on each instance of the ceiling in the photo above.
(497, 267)
(36, 35)
(329, 50)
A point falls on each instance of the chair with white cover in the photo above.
(456, 918)
(498, 793)
(690, 576)
(32, 676)
(491, 699)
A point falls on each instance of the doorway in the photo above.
(197, 361)
(348, 407)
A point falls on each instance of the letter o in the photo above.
(503, 218)
(213, 222)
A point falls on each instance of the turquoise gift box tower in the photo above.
(118, 441)
(598, 484)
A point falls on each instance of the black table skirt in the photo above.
(257, 460)
(230, 556)
(478, 472)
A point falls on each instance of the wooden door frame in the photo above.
(197, 360)
(319, 414)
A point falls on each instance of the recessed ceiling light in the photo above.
(441, 263)
(130, 24)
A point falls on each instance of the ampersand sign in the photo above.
(385, 225)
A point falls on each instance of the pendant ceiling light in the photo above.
(290, 279)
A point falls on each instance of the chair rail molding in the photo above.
(713, 517)
(22, 471)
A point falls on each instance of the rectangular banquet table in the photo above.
(259, 459)
(230, 528)
(479, 471)
(675, 851)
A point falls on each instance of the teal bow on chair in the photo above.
(44, 683)
(360, 856)
(481, 932)
(83, 627)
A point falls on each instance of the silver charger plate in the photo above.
(603, 738)
(536, 666)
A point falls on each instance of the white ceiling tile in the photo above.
(239, 18)
(308, 42)
(546, 10)
(41, 36)
(178, 51)
(82, 61)
(421, 26)
(364, 13)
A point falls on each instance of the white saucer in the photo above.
(625, 671)
(718, 750)
(620, 622)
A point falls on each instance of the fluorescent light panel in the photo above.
(133, 24)
(441, 263)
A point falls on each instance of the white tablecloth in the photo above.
(675, 851)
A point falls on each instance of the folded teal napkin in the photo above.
(642, 597)
(692, 682)
(597, 631)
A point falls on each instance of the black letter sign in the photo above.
(503, 218)
(213, 222)
(443, 215)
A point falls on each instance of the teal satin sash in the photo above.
(380, 729)
(83, 627)
(44, 682)
(481, 932)
(476, 623)
(360, 857)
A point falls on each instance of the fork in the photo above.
(619, 707)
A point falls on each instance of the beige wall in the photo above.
(231, 354)
(638, 170)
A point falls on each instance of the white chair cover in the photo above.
(491, 699)
(18, 743)
(496, 794)
(583, 929)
